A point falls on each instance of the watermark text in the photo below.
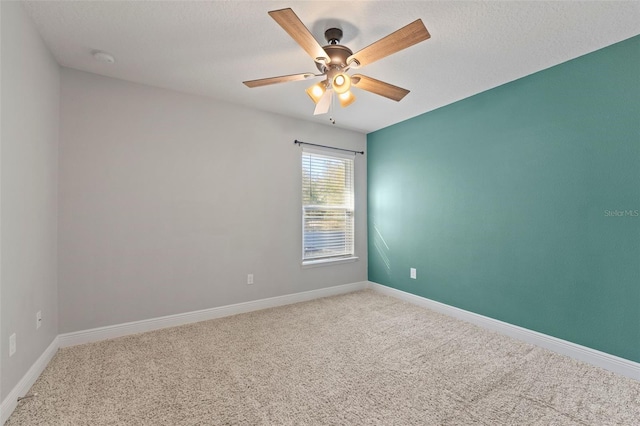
(622, 213)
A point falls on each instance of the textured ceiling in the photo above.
(209, 48)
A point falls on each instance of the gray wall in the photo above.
(28, 192)
(168, 201)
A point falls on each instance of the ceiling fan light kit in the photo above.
(346, 99)
(341, 83)
(316, 91)
(334, 60)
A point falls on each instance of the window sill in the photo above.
(327, 262)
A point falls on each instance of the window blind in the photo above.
(327, 205)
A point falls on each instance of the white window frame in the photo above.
(347, 257)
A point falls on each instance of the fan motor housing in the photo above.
(338, 55)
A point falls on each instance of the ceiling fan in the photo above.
(334, 60)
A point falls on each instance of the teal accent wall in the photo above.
(521, 203)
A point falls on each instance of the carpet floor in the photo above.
(355, 359)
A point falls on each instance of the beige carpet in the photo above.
(361, 358)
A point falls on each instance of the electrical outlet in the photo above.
(413, 273)
(38, 319)
(250, 279)
(12, 344)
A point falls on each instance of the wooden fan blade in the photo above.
(275, 80)
(290, 22)
(378, 87)
(405, 37)
(323, 105)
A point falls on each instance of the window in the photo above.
(327, 206)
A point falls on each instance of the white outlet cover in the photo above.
(12, 344)
(413, 273)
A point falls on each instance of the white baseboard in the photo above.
(11, 401)
(119, 330)
(86, 336)
(600, 359)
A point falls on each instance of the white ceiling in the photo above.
(209, 48)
